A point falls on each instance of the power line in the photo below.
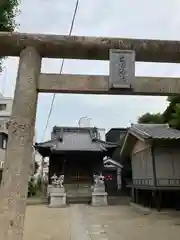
(62, 65)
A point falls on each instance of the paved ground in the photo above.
(81, 222)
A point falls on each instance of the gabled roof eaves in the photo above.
(112, 162)
(150, 132)
(47, 144)
(156, 131)
(138, 131)
(106, 144)
(127, 140)
(57, 145)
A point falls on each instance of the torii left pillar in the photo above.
(18, 158)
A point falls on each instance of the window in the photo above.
(4, 145)
(1, 164)
(2, 107)
(3, 140)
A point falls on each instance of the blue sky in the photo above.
(116, 18)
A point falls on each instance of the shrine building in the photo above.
(77, 153)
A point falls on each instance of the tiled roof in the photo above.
(155, 131)
(81, 141)
(73, 139)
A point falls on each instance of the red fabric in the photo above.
(109, 177)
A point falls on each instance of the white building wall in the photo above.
(5, 107)
(5, 114)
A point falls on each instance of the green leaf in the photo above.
(8, 12)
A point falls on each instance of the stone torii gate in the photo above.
(32, 48)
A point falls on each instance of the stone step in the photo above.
(78, 199)
(84, 190)
(77, 186)
(78, 193)
(120, 200)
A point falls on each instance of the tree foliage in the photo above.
(36, 167)
(33, 186)
(151, 118)
(8, 12)
(171, 115)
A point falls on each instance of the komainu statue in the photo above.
(54, 180)
(98, 180)
(57, 181)
(61, 180)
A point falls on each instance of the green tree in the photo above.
(33, 186)
(36, 167)
(8, 12)
(151, 118)
(172, 113)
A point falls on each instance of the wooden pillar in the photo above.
(101, 165)
(159, 199)
(42, 168)
(18, 158)
(49, 171)
(137, 196)
(42, 177)
(132, 194)
(178, 201)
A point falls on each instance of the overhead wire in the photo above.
(61, 68)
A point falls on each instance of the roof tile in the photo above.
(156, 131)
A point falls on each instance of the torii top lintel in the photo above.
(93, 48)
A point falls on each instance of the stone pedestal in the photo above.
(57, 197)
(99, 199)
(99, 189)
(99, 196)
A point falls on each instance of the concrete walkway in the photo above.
(81, 222)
